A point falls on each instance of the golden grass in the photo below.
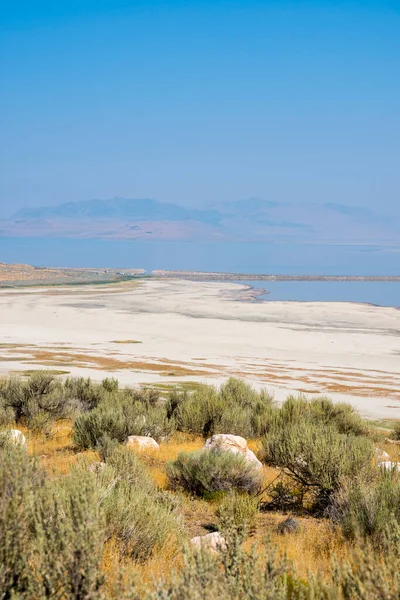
(392, 449)
(311, 549)
(156, 459)
(55, 450)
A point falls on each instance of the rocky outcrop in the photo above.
(225, 442)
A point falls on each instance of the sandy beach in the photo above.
(173, 330)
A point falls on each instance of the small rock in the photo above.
(212, 541)
(141, 442)
(289, 525)
(381, 455)
(387, 464)
(232, 443)
(15, 436)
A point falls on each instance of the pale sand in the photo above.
(347, 351)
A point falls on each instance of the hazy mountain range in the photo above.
(244, 220)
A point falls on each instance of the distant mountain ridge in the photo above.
(252, 219)
(119, 208)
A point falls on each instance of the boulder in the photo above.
(232, 443)
(212, 541)
(381, 455)
(288, 525)
(15, 436)
(387, 464)
(141, 442)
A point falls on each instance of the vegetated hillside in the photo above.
(245, 220)
(89, 510)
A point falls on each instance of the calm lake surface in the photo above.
(385, 293)
(270, 258)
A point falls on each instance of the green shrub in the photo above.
(234, 574)
(51, 535)
(369, 575)
(7, 415)
(230, 574)
(396, 431)
(201, 412)
(209, 471)
(69, 533)
(236, 408)
(110, 384)
(88, 394)
(237, 512)
(119, 417)
(137, 514)
(36, 402)
(236, 391)
(20, 478)
(285, 495)
(366, 509)
(317, 457)
(90, 428)
(175, 400)
(340, 416)
(127, 466)
(150, 397)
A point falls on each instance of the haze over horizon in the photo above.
(196, 103)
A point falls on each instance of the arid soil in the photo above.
(15, 275)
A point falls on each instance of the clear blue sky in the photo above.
(196, 102)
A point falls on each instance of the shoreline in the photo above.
(226, 276)
(171, 331)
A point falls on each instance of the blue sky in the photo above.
(197, 102)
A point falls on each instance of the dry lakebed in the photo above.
(171, 331)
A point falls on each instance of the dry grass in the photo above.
(311, 549)
(50, 358)
(392, 449)
(55, 450)
(125, 342)
(156, 460)
(159, 566)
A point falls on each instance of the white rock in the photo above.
(232, 443)
(387, 464)
(141, 442)
(381, 455)
(15, 436)
(212, 541)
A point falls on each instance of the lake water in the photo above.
(270, 258)
(385, 293)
